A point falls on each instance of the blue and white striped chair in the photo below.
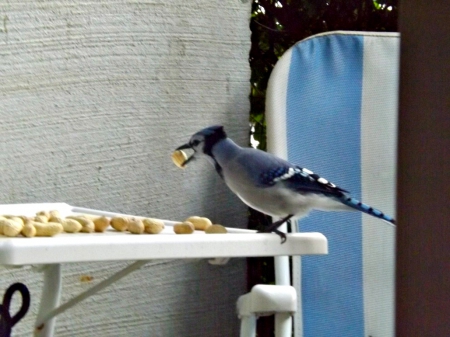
(332, 107)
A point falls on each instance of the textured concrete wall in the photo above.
(94, 96)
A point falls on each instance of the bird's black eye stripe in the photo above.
(195, 142)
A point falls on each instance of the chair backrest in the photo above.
(332, 107)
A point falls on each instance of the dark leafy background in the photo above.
(276, 25)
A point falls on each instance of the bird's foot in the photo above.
(276, 231)
(273, 228)
(281, 235)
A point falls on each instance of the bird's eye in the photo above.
(195, 142)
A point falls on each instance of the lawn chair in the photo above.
(332, 107)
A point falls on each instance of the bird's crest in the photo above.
(212, 135)
(213, 131)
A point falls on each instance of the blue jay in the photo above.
(270, 184)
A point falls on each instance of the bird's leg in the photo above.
(274, 227)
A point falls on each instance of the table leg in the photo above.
(283, 321)
(51, 294)
(283, 324)
(248, 326)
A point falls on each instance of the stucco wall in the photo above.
(94, 96)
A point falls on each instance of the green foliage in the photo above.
(278, 24)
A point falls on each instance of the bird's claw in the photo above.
(277, 232)
(273, 228)
(281, 235)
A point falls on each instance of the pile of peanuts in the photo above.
(51, 223)
(198, 223)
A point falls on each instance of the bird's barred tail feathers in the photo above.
(358, 205)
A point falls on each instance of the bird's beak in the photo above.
(183, 147)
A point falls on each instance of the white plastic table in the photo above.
(49, 253)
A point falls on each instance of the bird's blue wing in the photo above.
(267, 170)
(300, 180)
